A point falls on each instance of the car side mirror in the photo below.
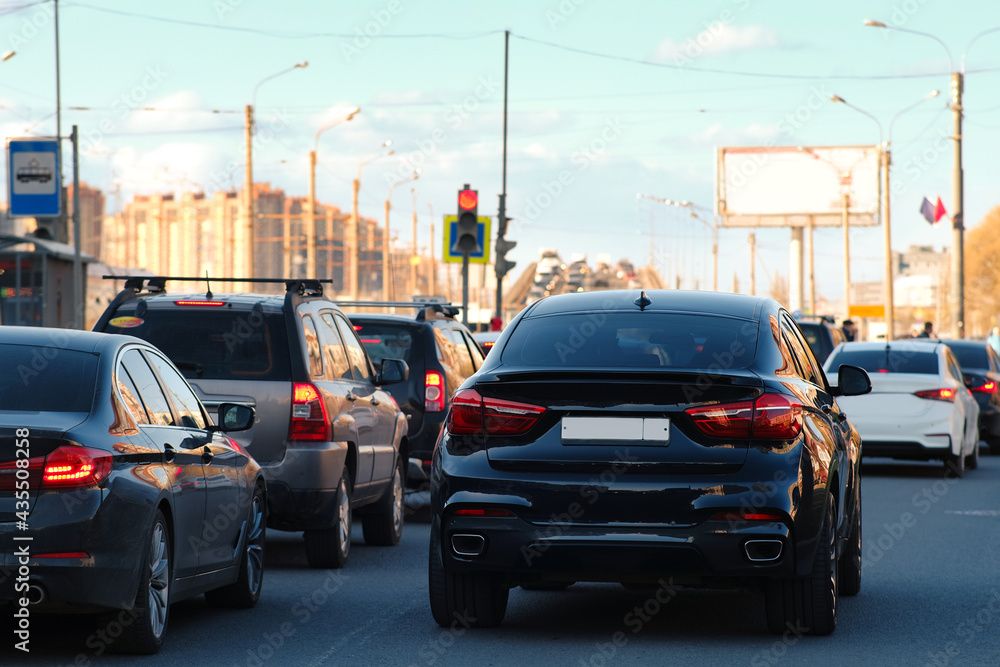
(852, 381)
(235, 417)
(393, 371)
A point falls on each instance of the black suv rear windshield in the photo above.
(385, 340)
(216, 344)
(633, 340)
(971, 356)
(46, 379)
(878, 361)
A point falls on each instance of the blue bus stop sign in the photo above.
(33, 178)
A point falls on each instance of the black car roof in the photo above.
(714, 303)
(65, 339)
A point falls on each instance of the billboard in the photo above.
(785, 186)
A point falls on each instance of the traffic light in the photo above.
(467, 233)
(504, 265)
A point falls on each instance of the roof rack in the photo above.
(445, 309)
(303, 286)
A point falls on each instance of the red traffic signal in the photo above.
(468, 200)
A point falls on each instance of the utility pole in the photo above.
(353, 273)
(248, 189)
(432, 286)
(845, 221)
(415, 257)
(890, 314)
(387, 291)
(80, 318)
(958, 214)
(753, 264)
(311, 220)
(502, 266)
(61, 231)
(811, 266)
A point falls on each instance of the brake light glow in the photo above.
(492, 512)
(942, 394)
(434, 391)
(770, 417)
(72, 467)
(987, 387)
(488, 344)
(199, 303)
(471, 413)
(744, 515)
(309, 419)
(371, 341)
(68, 554)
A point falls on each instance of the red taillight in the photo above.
(987, 387)
(471, 413)
(433, 391)
(70, 467)
(743, 515)
(67, 554)
(942, 394)
(200, 303)
(469, 511)
(770, 417)
(309, 419)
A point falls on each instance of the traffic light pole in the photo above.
(465, 288)
(501, 269)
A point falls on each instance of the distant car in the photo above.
(125, 493)
(486, 339)
(441, 354)
(822, 334)
(919, 407)
(981, 367)
(329, 437)
(632, 437)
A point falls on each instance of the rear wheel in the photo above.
(144, 635)
(954, 465)
(478, 599)
(972, 460)
(850, 560)
(384, 526)
(245, 591)
(329, 547)
(808, 604)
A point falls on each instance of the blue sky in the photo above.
(587, 133)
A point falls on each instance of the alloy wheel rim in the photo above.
(255, 546)
(397, 502)
(159, 580)
(345, 518)
(833, 567)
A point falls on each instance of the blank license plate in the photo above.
(651, 430)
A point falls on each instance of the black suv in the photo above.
(441, 354)
(822, 334)
(328, 438)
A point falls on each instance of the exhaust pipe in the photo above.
(763, 551)
(36, 594)
(468, 544)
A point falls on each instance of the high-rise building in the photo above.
(91, 219)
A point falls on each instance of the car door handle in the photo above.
(206, 454)
(374, 401)
(351, 397)
(169, 452)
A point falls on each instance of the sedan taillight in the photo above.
(309, 420)
(73, 467)
(987, 387)
(770, 417)
(471, 413)
(942, 394)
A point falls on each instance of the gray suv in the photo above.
(328, 438)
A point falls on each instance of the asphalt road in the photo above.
(930, 596)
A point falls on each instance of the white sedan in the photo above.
(919, 407)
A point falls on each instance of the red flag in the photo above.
(939, 211)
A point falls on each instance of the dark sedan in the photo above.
(686, 438)
(118, 496)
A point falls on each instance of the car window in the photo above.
(313, 352)
(462, 355)
(355, 353)
(130, 396)
(953, 368)
(387, 340)
(803, 354)
(474, 349)
(188, 408)
(28, 382)
(994, 359)
(971, 357)
(449, 360)
(149, 388)
(337, 365)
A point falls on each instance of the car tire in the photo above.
(144, 635)
(808, 604)
(329, 547)
(994, 443)
(850, 561)
(476, 599)
(954, 465)
(245, 591)
(383, 526)
(972, 460)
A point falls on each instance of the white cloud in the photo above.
(717, 38)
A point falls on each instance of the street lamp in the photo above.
(387, 282)
(353, 262)
(714, 226)
(7, 56)
(311, 220)
(885, 160)
(248, 195)
(958, 176)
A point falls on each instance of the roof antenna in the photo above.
(642, 301)
(208, 295)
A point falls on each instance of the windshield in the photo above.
(880, 361)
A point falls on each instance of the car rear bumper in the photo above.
(302, 489)
(919, 449)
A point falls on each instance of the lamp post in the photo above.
(414, 258)
(248, 195)
(885, 160)
(311, 220)
(714, 226)
(387, 286)
(353, 262)
(958, 176)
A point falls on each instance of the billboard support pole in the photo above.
(810, 268)
(847, 255)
